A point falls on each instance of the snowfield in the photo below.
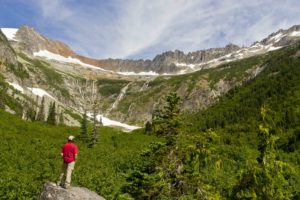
(36, 91)
(17, 87)
(192, 66)
(40, 92)
(105, 121)
(10, 33)
(108, 122)
(52, 56)
(150, 73)
(295, 34)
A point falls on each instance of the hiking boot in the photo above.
(67, 187)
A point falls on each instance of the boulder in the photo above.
(53, 192)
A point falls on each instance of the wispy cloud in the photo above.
(143, 28)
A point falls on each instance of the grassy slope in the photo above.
(30, 156)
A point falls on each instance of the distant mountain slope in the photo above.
(276, 88)
(128, 98)
(245, 146)
(28, 40)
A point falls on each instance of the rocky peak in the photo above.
(294, 28)
(177, 56)
(31, 41)
(53, 192)
(283, 37)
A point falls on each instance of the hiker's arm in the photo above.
(62, 151)
(76, 152)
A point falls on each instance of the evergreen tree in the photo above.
(165, 119)
(3, 89)
(61, 117)
(51, 119)
(94, 133)
(41, 112)
(148, 127)
(83, 128)
(268, 178)
(30, 113)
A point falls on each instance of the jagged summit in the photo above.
(171, 62)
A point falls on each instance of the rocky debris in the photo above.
(7, 54)
(53, 192)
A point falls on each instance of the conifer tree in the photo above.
(148, 127)
(3, 89)
(94, 134)
(41, 112)
(30, 113)
(83, 127)
(51, 119)
(268, 178)
(61, 117)
(165, 119)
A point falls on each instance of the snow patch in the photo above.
(108, 122)
(150, 73)
(192, 66)
(271, 48)
(10, 33)
(52, 56)
(40, 92)
(17, 87)
(277, 37)
(295, 34)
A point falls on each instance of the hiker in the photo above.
(69, 154)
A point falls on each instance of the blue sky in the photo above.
(143, 28)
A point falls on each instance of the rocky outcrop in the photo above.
(283, 37)
(53, 192)
(7, 54)
(170, 57)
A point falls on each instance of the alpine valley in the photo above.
(219, 123)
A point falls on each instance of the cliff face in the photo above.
(7, 54)
(30, 41)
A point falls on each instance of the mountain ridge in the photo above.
(132, 99)
(170, 62)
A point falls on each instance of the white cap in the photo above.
(71, 138)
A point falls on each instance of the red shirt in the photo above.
(69, 150)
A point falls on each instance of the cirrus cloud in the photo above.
(142, 29)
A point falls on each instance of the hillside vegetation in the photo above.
(244, 146)
(30, 156)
